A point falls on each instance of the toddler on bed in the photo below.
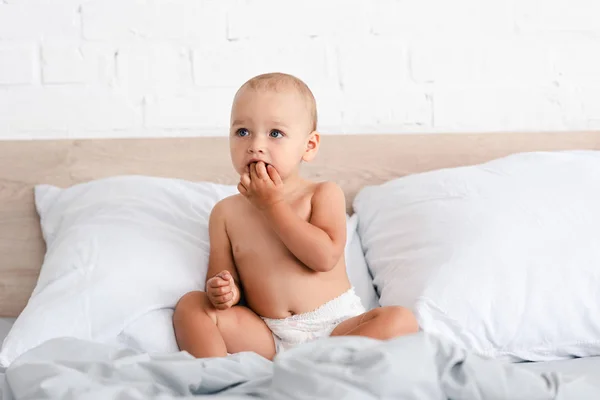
(280, 243)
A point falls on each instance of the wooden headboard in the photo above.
(351, 160)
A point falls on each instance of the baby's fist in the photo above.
(221, 290)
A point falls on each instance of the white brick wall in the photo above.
(117, 68)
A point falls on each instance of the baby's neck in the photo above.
(291, 184)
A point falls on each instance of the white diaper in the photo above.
(315, 324)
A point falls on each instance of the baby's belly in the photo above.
(280, 294)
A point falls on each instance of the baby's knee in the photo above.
(400, 320)
(191, 304)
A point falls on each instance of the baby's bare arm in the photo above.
(222, 283)
(319, 243)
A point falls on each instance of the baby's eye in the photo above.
(242, 132)
(276, 133)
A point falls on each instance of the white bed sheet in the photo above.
(578, 367)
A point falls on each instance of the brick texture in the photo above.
(113, 68)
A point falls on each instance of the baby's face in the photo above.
(273, 127)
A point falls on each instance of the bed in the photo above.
(577, 367)
(353, 161)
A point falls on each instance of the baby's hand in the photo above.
(221, 290)
(262, 185)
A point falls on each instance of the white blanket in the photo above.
(413, 367)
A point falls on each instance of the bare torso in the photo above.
(275, 284)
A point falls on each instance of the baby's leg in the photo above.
(204, 331)
(379, 323)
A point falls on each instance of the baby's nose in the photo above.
(256, 147)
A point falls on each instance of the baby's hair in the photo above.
(277, 80)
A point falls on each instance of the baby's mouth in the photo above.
(256, 162)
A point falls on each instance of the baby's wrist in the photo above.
(273, 204)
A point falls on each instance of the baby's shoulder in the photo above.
(327, 194)
(326, 190)
(226, 206)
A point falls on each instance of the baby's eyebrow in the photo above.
(237, 122)
(279, 123)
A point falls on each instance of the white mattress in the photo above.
(578, 367)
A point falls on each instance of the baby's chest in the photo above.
(252, 234)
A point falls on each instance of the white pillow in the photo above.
(151, 333)
(117, 249)
(356, 266)
(5, 325)
(121, 252)
(503, 257)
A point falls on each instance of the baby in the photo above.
(279, 244)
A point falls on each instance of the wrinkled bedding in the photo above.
(588, 367)
(414, 367)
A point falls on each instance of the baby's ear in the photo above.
(312, 146)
